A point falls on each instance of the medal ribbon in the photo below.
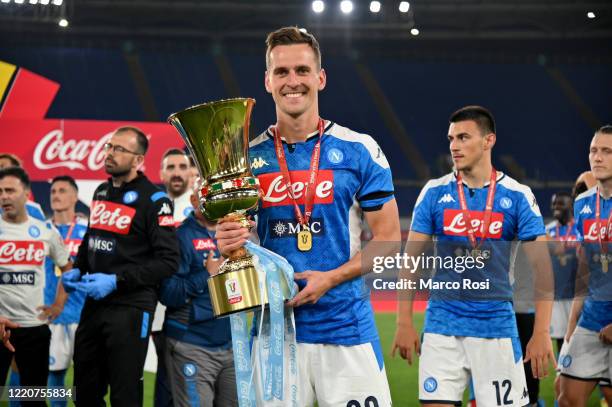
(604, 248)
(312, 178)
(568, 232)
(488, 209)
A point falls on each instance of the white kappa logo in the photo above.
(586, 210)
(258, 163)
(446, 198)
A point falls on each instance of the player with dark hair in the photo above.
(337, 176)
(129, 247)
(475, 211)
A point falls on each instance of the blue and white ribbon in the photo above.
(275, 330)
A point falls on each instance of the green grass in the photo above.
(403, 379)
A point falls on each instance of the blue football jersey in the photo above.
(354, 176)
(72, 309)
(564, 264)
(515, 216)
(597, 310)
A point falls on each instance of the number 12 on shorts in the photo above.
(506, 387)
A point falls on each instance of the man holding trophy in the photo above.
(317, 178)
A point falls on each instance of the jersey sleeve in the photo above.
(376, 178)
(530, 222)
(422, 215)
(57, 250)
(578, 222)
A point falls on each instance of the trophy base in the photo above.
(236, 288)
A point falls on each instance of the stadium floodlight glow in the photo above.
(63, 23)
(58, 2)
(346, 6)
(591, 15)
(318, 6)
(18, 1)
(33, 1)
(5, 1)
(415, 31)
(44, 2)
(375, 6)
(404, 6)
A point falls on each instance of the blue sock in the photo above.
(14, 382)
(56, 378)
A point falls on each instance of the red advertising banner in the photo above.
(51, 147)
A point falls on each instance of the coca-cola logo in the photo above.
(590, 230)
(53, 151)
(275, 192)
(204, 244)
(111, 217)
(23, 252)
(455, 224)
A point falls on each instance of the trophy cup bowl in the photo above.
(217, 135)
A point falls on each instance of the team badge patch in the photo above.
(505, 202)
(430, 385)
(189, 369)
(34, 231)
(187, 211)
(566, 361)
(335, 156)
(51, 360)
(130, 197)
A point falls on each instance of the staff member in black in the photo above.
(129, 247)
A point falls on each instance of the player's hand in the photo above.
(605, 335)
(5, 332)
(407, 341)
(231, 236)
(98, 285)
(540, 352)
(317, 284)
(213, 263)
(49, 312)
(70, 278)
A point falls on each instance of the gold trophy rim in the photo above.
(208, 104)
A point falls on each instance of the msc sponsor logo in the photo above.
(455, 224)
(280, 228)
(111, 217)
(100, 244)
(275, 192)
(17, 277)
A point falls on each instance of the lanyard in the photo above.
(70, 229)
(568, 232)
(604, 248)
(312, 178)
(488, 209)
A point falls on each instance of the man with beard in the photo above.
(129, 248)
(175, 173)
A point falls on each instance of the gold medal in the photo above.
(304, 239)
(604, 263)
(562, 260)
(58, 272)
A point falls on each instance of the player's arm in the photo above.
(539, 349)
(407, 339)
(165, 256)
(60, 256)
(385, 227)
(580, 292)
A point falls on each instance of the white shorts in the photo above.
(338, 376)
(495, 366)
(585, 357)
(560, 316)
(62, 346)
